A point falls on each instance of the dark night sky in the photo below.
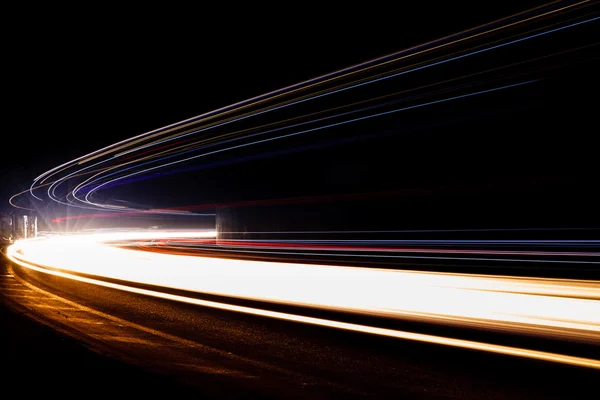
(79, 83)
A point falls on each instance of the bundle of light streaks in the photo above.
(584, 252)
(498, 57)
(557, 308)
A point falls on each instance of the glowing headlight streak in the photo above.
(363, 82)
(376, 246)
(244, 133)
(100, 205)
(98, 187)
(407, 257)
(319, 80)
(139, 162)
(542, 306)
(195, 146)
(382, 61)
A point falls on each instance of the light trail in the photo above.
(510, 32)
(430, 46)
(374, 247)
(329, 92)
(556, 308)
(295, 134)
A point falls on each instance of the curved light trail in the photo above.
(557, 308)
(216, 132)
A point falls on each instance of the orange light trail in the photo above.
(563, 308)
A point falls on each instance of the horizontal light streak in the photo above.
(554, 307)
(467, 344)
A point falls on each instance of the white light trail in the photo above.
(564, 308)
